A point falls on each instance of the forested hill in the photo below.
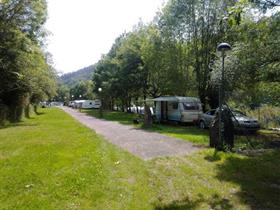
(71, 79)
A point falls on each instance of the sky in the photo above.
(81, 31)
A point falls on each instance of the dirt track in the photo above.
(144, 144)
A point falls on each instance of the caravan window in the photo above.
(90, 103)
(191, 106)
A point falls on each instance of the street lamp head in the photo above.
(99, 89)
(80, 96)
(223, 47)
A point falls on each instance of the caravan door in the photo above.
(173, 111)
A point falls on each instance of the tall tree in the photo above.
(25, 71)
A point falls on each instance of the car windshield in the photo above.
(238, 114)
(190, 106)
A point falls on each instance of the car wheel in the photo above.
(202, 125)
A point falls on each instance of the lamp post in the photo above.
(101, 105)
(223, 48)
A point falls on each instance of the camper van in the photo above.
(87, 104)
(177, 108)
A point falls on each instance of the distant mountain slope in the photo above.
(71, 79)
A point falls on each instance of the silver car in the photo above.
(240, 120)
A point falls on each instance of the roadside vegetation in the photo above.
(176, 55)
(53, 162)
(26, 74)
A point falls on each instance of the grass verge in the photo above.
(53, 162)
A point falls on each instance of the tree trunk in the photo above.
(3, 114)
(15, 113)
(35, 109)
(27, 111)
(147, 117)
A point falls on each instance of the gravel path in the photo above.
(144, 144)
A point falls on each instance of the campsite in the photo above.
(140, 105)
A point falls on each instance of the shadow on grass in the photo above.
(40, 113)
(257, 141)
(213, 158)
(258, 178)
(19, 124)
(215, 202)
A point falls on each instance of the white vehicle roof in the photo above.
(176, 99)
(79, 101)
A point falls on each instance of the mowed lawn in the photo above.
(53, 162)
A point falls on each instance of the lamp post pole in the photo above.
(80, 103)
(223, 47)
(101, 104)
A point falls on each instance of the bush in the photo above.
(268, 116)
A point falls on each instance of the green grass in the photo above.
(188, 133)
(122, 117)
(53, 162)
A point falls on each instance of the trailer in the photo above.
(87, 104)
(177, 108)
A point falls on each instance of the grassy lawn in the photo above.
(53, 162)
(122, 117)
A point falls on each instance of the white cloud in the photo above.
(84, 30)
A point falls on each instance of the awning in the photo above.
(175, 99)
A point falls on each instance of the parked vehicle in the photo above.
(179, 109)
(86, 104)
(241, 122)
(140, 110)
(71, 104)
(56, 103)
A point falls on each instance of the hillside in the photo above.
(70, 79)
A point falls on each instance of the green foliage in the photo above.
(170, 56)
(176, 55)
(82, 90)
(63, 93)
(26, 76)
(252, 69)
(268, 116)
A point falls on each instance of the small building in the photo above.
(177, 108)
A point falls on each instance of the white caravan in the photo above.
(177, 108)
(87, 104)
